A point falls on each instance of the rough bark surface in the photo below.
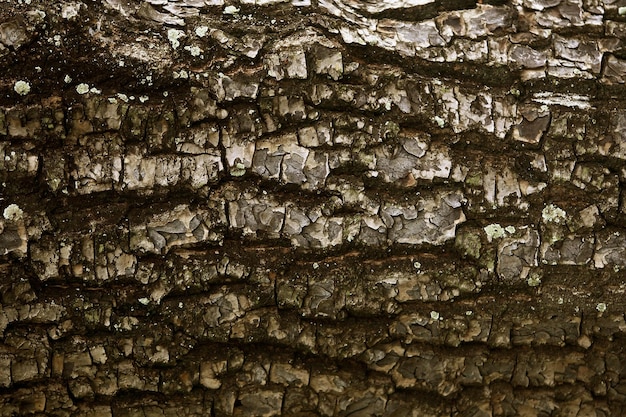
(332, 207)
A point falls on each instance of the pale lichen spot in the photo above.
(173, 35)
(231, 10)
(494, 231)
(22, 87)
(13, 212)
(82, 88)
(201, 31)
(553, 214)
(193, 50)
(440, 122)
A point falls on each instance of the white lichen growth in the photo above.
(435, 315)
(143, 99)
(231, 10)
(69, 11)
(201, 31)
(144, 300)
(122, 97)
(94, 90)
(417, 265)
(510, 229)
(67, 79)
(173, 35)
(82, 88)
(13, 212)
(180, 74)
(601, 307)
(553, 214)
(440, 122)
(621, 11)
(22, 87)
(193, 50)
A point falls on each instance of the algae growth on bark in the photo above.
(312, 208)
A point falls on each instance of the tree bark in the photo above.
(331, 207)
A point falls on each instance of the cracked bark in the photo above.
(312, 208)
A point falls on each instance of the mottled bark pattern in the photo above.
(312, 208)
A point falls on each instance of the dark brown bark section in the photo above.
(326, 209)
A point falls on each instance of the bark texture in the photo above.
(312, 208)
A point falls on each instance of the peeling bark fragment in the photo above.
(415, 157)
(610, 249)
(419, 35)
(615, 70)
(14, 33)
(430, 221)
(263, 403)
(486, 19)
(517, 255)
(534, 123)
(252, 215)
(572, 250)
(13, 237)
(525, 56)
(287, 64)
(177, 227)
(98, 164)
(541, 4)
(585, 55)
(328, 61)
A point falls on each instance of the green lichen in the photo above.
(534, 280)
(494, 231)
(474, 180)
(238, 170)
(468, 244)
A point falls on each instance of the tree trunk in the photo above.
(332, 207)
